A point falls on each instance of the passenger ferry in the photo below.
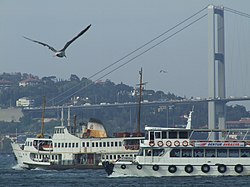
(187, 152)
(75, 148)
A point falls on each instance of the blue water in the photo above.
(11, 175)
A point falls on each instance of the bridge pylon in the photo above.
(216, 67)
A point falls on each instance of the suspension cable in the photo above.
(132, 52)
(140, 54)
(237, 12)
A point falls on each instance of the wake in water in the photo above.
(18, 167)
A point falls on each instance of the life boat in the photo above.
(47, 147)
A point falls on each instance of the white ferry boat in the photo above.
(187, 152)
(70, 148)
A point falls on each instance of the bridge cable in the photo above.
(237, 12)
(132, 52)
(140, 54)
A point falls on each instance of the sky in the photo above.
(118, 28)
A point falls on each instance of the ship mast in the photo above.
(139, 109)
(41, 135)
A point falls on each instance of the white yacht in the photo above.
(70, 148)
(187, 152)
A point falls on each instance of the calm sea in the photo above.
(12, 175)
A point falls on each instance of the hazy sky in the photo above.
(119, 27)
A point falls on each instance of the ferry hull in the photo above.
(128, 170)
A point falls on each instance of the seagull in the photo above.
(60, 53)
(163, 71)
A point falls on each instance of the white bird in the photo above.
(60, 53)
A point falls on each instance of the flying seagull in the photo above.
(60, 53)
(163, 71)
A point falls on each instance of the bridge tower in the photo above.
(216, 67)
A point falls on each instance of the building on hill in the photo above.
(5, 84)
(25, 102)
(243, 123)
(29, 82)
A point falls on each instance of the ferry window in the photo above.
(198, 152)
(140, 153)
(120, 144)
(62, 144)
(59, 145)
(52, 157)
(73, 144)
(221, 152)
(209, 152)
(183, 135)
(112, 144)
(110, 157)
(100, 144)
(69, 144)
(245, 153)
(172, 135)
(96, 144)
(87, 144)
(66, 145)
(93, 144)
(55, 157)
(148, 152)
(104, 144)
(158, 135)
(83, 144)
(107, 144)
(175, 153)
(186, 153)
(146, 135)
(114, 157)
(233, 152)
(164, 134)
(116, 144)
(107, 157)
(55, 144)
(152, 136)
(76, 144)
(158, 152)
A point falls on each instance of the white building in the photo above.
(24, 102)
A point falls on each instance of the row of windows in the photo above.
(87, 144)
(168, 135)
(115, 157)
(66, 145)
(73, 145)
(59, 131)
(45, 158)
(222, 152)
(102, 144)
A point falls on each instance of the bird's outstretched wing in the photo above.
(69, 42)
(44, 44)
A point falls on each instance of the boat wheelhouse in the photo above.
(188, 152)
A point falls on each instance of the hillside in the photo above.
(79, 91)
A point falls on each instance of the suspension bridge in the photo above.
(217, 60)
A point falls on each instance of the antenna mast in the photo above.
(139, 110)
